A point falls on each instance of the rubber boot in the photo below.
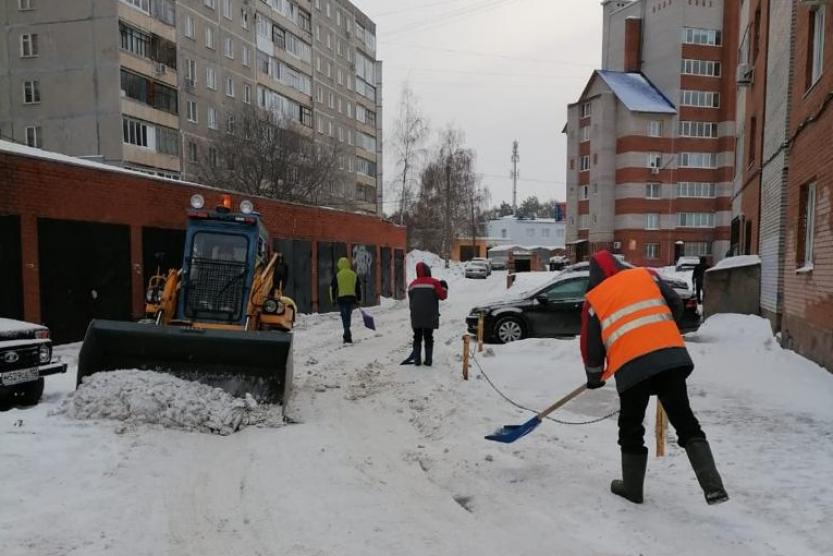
(348, 337)
(633, 477)
(410, 360)
(417, 351)
(429, 353)
(700, 455)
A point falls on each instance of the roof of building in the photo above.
(636, 92)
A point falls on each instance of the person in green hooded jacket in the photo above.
(345, 291)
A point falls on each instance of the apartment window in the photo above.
(211, 78)
(584, 133)
(149, 92)
(212, 157)
(698, 190)
(697, 248)
(247, 93)
(652, 250)
(584, 163)
(230, 87)
(341, 134)
(707, 68)
(698, 160)
(330, 128)
(209, 37)
(167, 141)
(583, 221)
(31, 92)
(28, 45)
(585, 110)
(654, 160)
(329, 69)
(756, 40)
(652, 221)
(806, 226)
(34, 137)
(231, 122)
(135, 132)
(332, 101)
(213, 121)
(698, 129)
(134, 41)
(583, 193)
(227, 7)
(191, 111)
(247, 56)
(328, 9)
(229, 48)
(306, 116)
(753, 130)
(244, 18)
(340, 77)
(655, 128)
(696, 220)
(350, 137)
(210, 4)
(700, 99)
(695, 35)
(365, 167)
(340, 106)
(192, 151)
(190, 27)
(653, 190)
(815, 49)
(24, 5)
(143, 5)
(320, 125)
(190, 72)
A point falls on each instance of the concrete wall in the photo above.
(732, 290)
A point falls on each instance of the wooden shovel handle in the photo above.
(562, 401)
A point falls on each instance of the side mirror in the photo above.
(542, 298)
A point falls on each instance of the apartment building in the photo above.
(146, 84)
(651, 138)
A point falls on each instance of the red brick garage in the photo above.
(95, 214)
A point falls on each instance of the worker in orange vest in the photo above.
(628, 330)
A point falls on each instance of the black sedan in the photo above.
(553, 310)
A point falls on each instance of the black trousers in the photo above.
(426, 334)
(698, 290)
(670, 387)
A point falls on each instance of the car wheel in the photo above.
(30, 393)
(509, 329)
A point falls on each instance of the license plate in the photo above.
(17, 377)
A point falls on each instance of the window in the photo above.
(753, 130)
(231, 121)
(692, 189)
(191, 111)
(229, 48)
(698, 160)
(654, 160)
(24, 5)
(365, 167)
(652, 221)
(34, 137)
(143, 5)
(247, 56)
(191, 72)
(655, 128)
(503, 233)
(306, 116)
(247, 93)
(31, 92)
(584, 163)
(212, 157)
(244, 18)
(134, 41)
(211, 78)
(583, 221)
(567, 290)
(582, 193)
(28, 45)
(584, 133)
(806, 226)
(230, 87)
(700, 99)
(697, 248)
(698, 129)
(227, 7)
(701, 67)
(584, 110)
(213, 122)
(696, 220)
(330, 128)
(210, 4)
(192, 151)
(167, 141)
(149, 92)
(815, 49)
(209, 37)
(331, 102)
(135, 132)
(653, 190)
(190, 28)
(694, 35)
(652, 250)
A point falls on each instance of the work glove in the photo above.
(444, 284)
(594, 379)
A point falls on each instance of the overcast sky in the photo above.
(499, 69)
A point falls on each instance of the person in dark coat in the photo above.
(424, 295)
(345, 290)
(699, 275)
(628, 331)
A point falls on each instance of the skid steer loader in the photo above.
(220, 319)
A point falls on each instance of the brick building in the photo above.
(78, 240)
(651, 138)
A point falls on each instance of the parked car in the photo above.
(498, 263)
(558, 262)
(476, 270)
(680, 286)
(485, 261)
(687, 263)
(25, 358)
(552, 310)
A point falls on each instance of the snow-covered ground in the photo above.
(389, 460)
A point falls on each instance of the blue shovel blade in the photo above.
(368, 321)
(510, 433)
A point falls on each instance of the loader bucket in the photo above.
(239, 362)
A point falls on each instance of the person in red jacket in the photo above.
(424, 295)
(629, 331)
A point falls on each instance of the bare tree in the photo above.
(410, 132)
(257, 153)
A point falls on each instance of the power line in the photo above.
(533, 180)
(489, 54)
(451, 16)
(484, 73)
(414, 8)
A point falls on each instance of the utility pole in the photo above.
(447, 222)
(515, 159)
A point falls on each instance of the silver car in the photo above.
(474, 269)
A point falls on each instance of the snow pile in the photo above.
(146, 397)
(736, 262)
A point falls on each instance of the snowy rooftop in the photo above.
(636, 92)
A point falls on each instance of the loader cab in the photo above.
(223, 248)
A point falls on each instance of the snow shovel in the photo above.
(510, 433)
(368, 320)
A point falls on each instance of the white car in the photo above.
(476, 270)
(687, 263)
(25, 358)
(484, 261)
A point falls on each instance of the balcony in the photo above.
(154, 16)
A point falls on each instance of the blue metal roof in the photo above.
(636, 92)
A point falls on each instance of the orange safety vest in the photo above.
(634, 316)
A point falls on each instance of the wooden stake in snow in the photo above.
(480, 326)
(466, 346)
(660, 430)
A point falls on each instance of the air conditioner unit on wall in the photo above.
(745, 74)
(159, 68)
(654, 170)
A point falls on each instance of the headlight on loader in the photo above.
(45, 353)
(270, 306)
